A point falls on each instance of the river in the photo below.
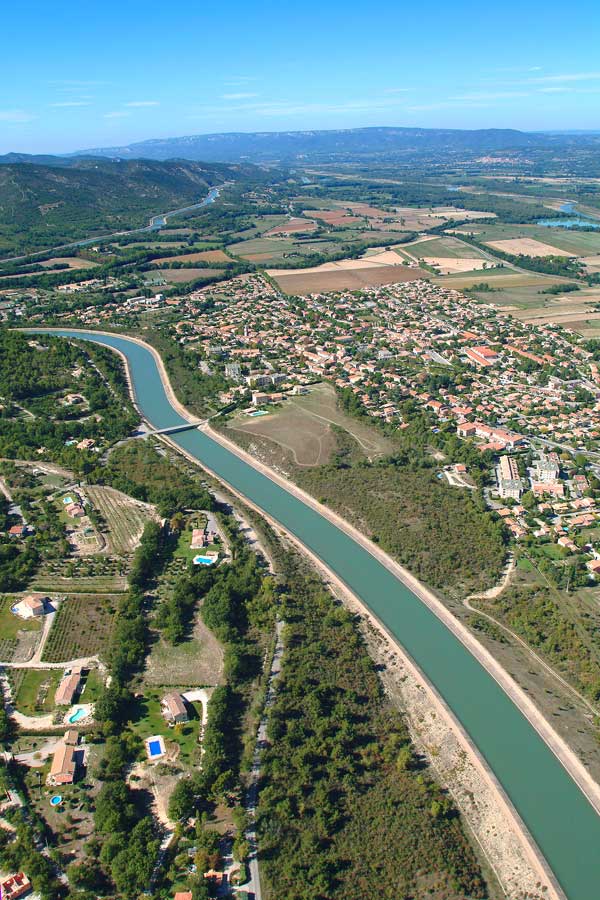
(579, 220)
(558, 815)
(156, 223)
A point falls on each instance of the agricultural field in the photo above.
(445, 246)
(82, 627)
(292, 226)
(504, 281)
(124, 517)
(345, 274)
(181, 276)
(214, 256)
(572, 242)
(54, 582)
(526, 246)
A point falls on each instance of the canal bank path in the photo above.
(550, 794)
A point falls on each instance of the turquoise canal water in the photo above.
(558, 815)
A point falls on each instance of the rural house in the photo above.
(30, 606)
(173, 708)
(68, 687)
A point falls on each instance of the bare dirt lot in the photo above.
(527, 247)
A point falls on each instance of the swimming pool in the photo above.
(259, 412)
(204, 560)
(56, 800)
(67, 500)
(80, 713)
(155, 747)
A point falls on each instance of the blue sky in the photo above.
(74, 76)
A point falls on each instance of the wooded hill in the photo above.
(45, 205)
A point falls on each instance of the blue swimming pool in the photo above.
(204, 560)
(56, 800)
(80, 713)
(155, 748)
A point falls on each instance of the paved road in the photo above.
(252, 795)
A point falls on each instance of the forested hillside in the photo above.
(44, 205)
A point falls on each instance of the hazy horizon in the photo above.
(126, 73)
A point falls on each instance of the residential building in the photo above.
(507, 475)
(173, 708)
(67, 688)
(15, 886)
(30, 606)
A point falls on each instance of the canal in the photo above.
(558, 815)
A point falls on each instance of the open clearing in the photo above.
(73, 262)
(124, 517)
(200, 256)
(197, 661)
(527, 247)
(302, 429)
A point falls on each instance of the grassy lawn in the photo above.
(553, 551)
(183, 549)
(35, 695)
(10, 624)
(93, 687)
(149, 720)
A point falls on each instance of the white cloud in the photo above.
(240, 96)
(138, 104)
(117, 114)
(569, 76)
(489, 95)
(18, 116)
(67, 103)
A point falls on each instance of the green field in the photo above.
(582, 243)
(35, 692)
(525, 297)
(445, 247)
(10, 624)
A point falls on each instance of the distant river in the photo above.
(578, 221)
(558, 815)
